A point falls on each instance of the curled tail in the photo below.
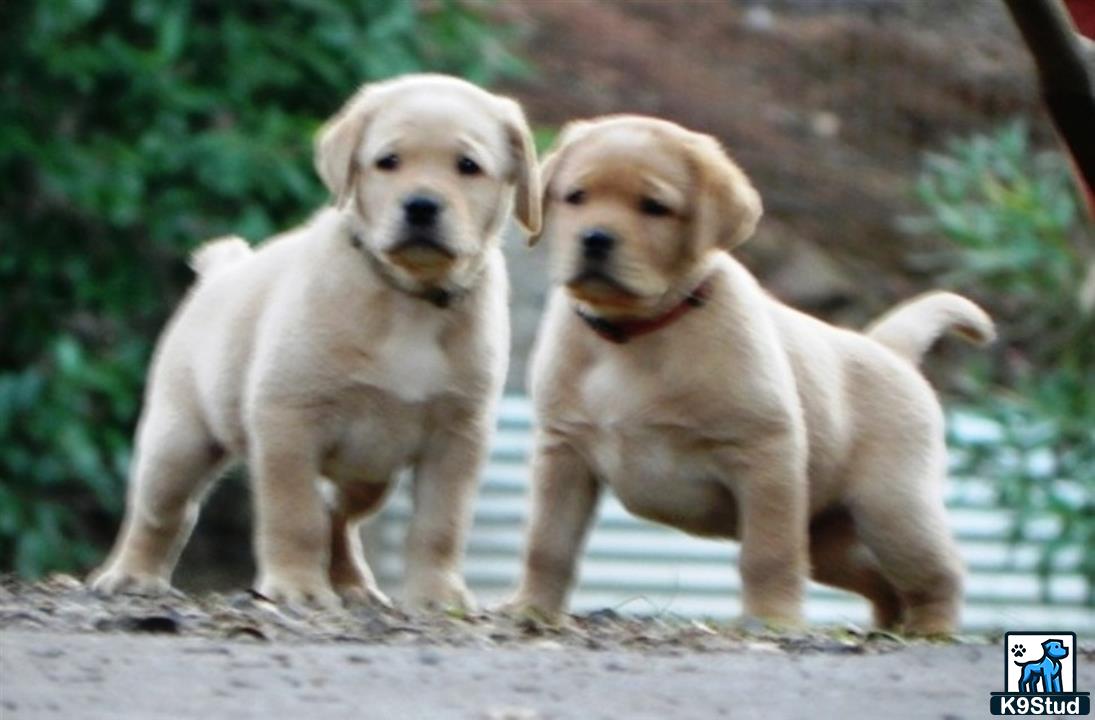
(912, 327)
(219, 253)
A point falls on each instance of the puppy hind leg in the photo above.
(909, 534)
(176, 460)
(351, 576)
(839, 559)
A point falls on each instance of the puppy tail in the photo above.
(219, 253)
(911, 328)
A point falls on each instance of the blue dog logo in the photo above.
(1045, 671)
(1046, 686)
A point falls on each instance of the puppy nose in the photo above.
(597, 244)
(421, 210)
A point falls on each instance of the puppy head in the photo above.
(428, 164)
(633, 208)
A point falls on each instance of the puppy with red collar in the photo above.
(665, 372)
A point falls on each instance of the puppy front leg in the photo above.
(445, 482)
(774, 506)
(564, 497)
(292, 538)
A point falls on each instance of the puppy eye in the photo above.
(466, 166)
(387, 162)
(650, 206)
(575, 197)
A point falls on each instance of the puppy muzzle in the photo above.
(594, 283)
(422, 253)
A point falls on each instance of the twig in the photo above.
(1066, 84)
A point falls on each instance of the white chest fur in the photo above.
(652, 461)
(628, 437)
(410, 361)
(609, 401)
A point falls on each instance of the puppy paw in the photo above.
(527, 604)
(357, 594)
(526, 610)
(113, 580)
(439, 592)
(297, 592)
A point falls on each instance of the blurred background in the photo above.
(899, 146)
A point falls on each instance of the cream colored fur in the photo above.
(819, 448)
(911, 328)
(319, 357)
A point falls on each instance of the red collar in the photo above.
(620, 331)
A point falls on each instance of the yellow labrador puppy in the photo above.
(371, 338)
(664, 371)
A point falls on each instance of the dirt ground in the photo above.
(122, 676)
(65, 652)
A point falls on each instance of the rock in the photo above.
(802, 274)
(759, 18)
(603, 616)
(429, 657)
(825, 124)
(167, 623)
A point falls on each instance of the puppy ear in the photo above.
(337, 142)
(728, 206)
(570, 132)
(526, 178)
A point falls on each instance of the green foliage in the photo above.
(130, 132)
(1018, 238)
(544, 136)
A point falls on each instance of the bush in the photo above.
(1017, 236)
(130, 132)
